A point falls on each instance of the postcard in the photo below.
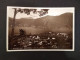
(40, 28)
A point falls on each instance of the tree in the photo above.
(13, 23)
(26, 11)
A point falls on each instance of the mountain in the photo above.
(61, 23)
(57, 23)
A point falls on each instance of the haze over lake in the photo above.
(61, 23)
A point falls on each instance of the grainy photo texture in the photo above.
(40, 28)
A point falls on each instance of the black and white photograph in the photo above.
(40, 28)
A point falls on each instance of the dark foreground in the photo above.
(48, 40)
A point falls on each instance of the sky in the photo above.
(53, 11)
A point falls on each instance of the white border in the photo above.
(41, 49)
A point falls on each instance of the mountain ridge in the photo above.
(61, 23)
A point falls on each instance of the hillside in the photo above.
(61, 23)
